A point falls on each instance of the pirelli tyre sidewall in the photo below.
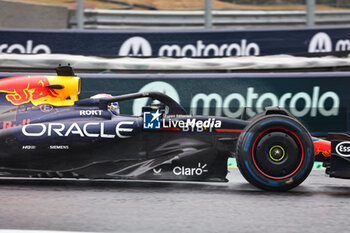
(275, 152)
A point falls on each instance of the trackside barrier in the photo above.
(140, 19)
(321, 101)
(87, 64)
(178, 43)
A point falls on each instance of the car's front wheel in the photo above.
(275, 152)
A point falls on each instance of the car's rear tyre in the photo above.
(275, 152)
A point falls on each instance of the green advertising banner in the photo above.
(318, 100)
(232, 163)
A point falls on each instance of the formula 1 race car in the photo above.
(46, 132)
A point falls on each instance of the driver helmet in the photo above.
(113, 107)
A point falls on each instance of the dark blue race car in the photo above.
(46, 132)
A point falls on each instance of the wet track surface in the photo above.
(320, 204)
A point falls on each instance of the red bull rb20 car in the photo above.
(46, 132)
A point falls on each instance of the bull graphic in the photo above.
(25, 89)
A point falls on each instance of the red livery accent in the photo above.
(229, 130)
(322, 146)
(171, 129)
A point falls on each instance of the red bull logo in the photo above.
(10, 124)
(322, 146)
(25, 89)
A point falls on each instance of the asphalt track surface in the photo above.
(320, 204)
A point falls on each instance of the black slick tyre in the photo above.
(275, 153)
